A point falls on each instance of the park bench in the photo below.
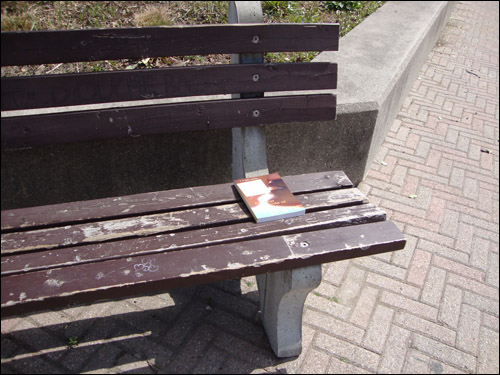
(85, 251)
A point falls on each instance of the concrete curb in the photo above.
(378, 62)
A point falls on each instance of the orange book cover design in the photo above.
(268, 198)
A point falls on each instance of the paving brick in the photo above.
(103, 358)
(211, 362)
(463, 143)
(130, 365)
(375, 265)
(429, 239)
(449, 310)
(445, 251)
(416, 363)
(444, 353)
(434, 286)
(396, 348)
(410, 185)
(479, 255)
(412, 141)
(449, 226)
(395, 286)
(378, 329)
(492, 277)
(218, 298)
(445, 167)
(457, 177)
(474, 286)
(351, 287)
(457, 268)
(430, 329)
(468, 329)
(187, 322)
(488, 352)
(352, 353)
(336, 274)
(436, 210)
(418, 268)
(490, 322)
(333, 326)
(329, 306)
(238, 326)
(342, 366)
(362, 311)
(399, 175)
(316, 362)
(406, 304)
(470, 188)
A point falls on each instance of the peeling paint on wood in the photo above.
(218, 241)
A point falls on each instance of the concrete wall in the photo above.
(378, 61)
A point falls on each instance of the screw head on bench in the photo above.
(255, 77)
(256, 113)
(255, 39)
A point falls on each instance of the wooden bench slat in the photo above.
(161, 271)
(103, 87)
(27, 131)
(244, 231)
(146, 225)
(155, 202)
(23, 48)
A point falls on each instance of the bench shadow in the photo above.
(213, 328)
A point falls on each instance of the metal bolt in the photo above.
(304, 244)
(255, 77)
(256, 113)
(255, 39)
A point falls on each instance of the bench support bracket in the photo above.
(282, 297)
(249, 144)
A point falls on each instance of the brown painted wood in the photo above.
(155, 272)
(28, 131)
(243, 231)
(155, 202)
(147, 225)
(104, 87)
(23, 47)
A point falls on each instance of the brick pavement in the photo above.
(431, 308)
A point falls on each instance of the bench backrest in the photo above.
(128, 89)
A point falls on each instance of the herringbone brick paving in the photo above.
(431, 308)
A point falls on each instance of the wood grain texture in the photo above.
(149, 203)
(80, 126)
(23, 47)
(205, 234)
(131, 85)
(146, 274)
(243, 230)
(154, 224)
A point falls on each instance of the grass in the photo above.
(57, 15)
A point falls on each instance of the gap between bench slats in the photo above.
(158, 272)
(23, 48)
(63, 257)
(147, 225)
(155, 202)
(27, 131)
(104, 87)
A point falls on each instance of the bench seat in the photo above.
(84, 251)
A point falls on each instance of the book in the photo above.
(268, 198)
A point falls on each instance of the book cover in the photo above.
(268, 198)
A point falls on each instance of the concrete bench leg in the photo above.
(282, 297)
